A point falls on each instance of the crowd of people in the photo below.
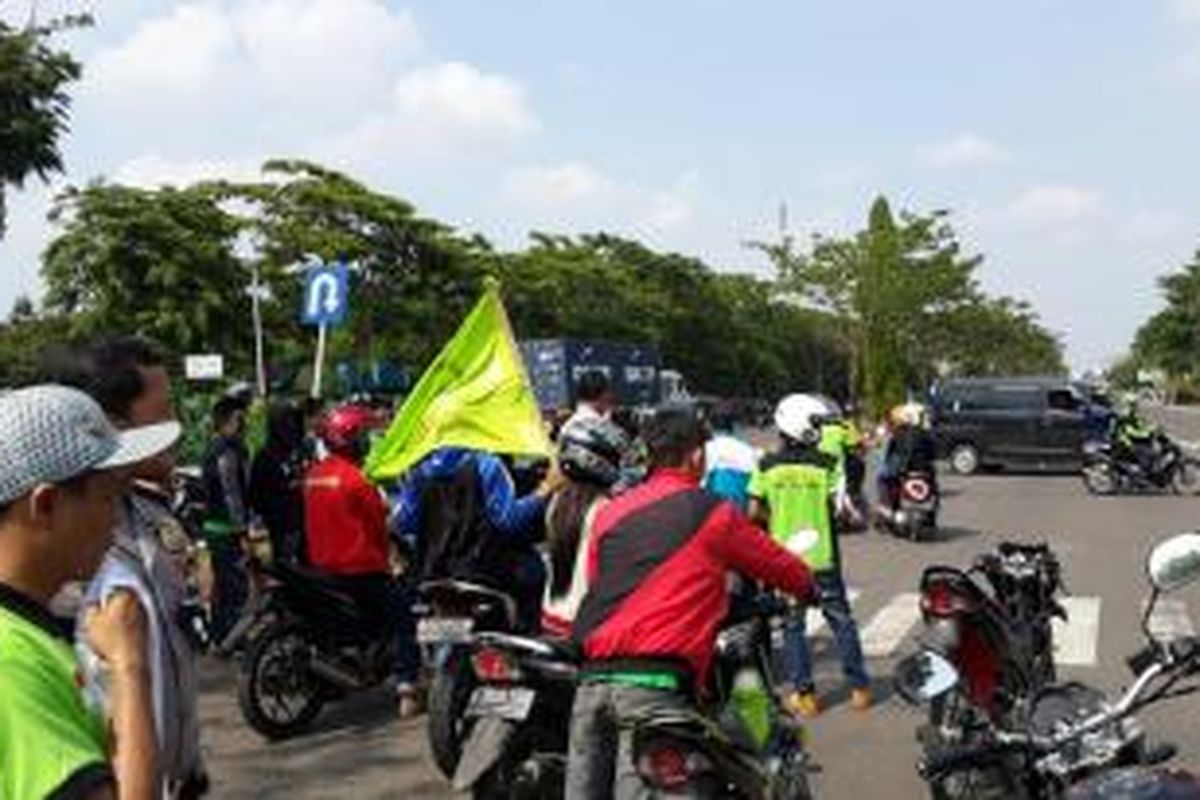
(624, 545)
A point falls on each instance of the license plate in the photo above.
(437, 630)
(491, 701)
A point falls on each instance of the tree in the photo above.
(160, 263)
(1170, 339)
(34, 104)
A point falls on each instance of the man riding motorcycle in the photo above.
(347, 536)
(910, 448)
(657, 563)
(1135, 441)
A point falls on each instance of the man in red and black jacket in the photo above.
(657, 566)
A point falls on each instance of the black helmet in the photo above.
(591, 450)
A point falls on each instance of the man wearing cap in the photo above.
(127, 376)
(62, 474)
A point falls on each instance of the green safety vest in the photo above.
(798, 487)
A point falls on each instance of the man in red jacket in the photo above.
(657, 566)
(347, 536)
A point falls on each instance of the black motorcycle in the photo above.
(744, 746)
(452, 614)
(519, 714)
(1109, 470)
(1070, 741)
(308, 643)
(994, 624)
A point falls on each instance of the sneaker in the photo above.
(408, 701)
(860, 699)
(803, 704)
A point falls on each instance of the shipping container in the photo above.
(555, 365)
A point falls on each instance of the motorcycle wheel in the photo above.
(1186, 479)
(947, 710)
(1099, 478)
(279, 696)
(449, 692)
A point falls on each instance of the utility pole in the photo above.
(256, 296)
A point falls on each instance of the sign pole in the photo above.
(319, 366)
(260, 370)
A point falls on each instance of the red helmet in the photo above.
(344, 429)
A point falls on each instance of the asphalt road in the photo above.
(360, 750)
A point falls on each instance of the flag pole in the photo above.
(319, 366)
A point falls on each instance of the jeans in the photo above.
(600, 751)
(230, 587)
(388, 603)
(797, 661)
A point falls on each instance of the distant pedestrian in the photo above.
(729, 461)
(226, 471)
(276, 481)
(594, 398)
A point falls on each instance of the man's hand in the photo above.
(116, 630)
(554, 480)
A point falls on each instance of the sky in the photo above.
(1061, 134)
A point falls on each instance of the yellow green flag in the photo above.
(475, 394)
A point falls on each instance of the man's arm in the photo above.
(117, 631)
(511, 515)
(744, 548)
(230, 472)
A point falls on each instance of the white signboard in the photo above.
(208, 367)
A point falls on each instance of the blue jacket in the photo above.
(512, 516)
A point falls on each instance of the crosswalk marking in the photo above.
(890, 625)
(1075, 640)
(1171, 621)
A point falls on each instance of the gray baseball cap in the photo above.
(50, 434)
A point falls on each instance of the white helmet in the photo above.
(799, 417)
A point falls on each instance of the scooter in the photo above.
(912, 511)
(1069, 741)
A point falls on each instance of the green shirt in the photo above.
(51, 744)
(798, 486)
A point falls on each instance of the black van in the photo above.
(1025, 423)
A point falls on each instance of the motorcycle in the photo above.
(451, 614)
(749, 746)
(308, 643)
(1107, 471)
(913, 510)
(996, 632)
(1071, 741)
(519, 713)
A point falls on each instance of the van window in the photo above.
(1062, 400)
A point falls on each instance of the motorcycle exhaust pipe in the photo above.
(335, 673)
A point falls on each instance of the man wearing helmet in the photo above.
(590, 453)
(794, 492)
(347, 535)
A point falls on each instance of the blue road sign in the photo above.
(326, 295)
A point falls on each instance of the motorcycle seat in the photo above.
(456, 593)
(548, 647)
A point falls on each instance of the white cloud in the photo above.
(963, 150)
(1151, 227)
(458, 96)
(548, 187)
(1056, 204)
(1186, 12)
(575, 195)
(152, 170)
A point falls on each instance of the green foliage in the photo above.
(158, 263)
(1170, 340)
(909, 306)
(33, 102)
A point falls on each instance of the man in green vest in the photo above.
(63, 471)
(793, 493)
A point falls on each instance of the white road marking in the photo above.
(1171, 621)
(1076, 640)
(887, 629)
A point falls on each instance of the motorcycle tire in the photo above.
(281, 646)
(1186, 478)
(449, 692)
(1100, 479)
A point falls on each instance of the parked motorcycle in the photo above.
(747, 746)
(451, 614)
(307, 644)
(913, 511)
(1107, 472)
(520, 715)
(1071, 741)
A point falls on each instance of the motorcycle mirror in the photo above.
(924, 676)
(1175, 562)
